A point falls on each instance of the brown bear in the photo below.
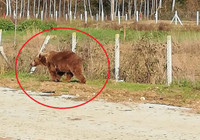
(60, 63)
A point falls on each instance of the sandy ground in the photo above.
(23, 119)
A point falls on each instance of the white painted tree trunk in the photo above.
(173, 5)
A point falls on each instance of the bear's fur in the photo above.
(61, 63)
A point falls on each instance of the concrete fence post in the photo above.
(117, 57)
(41, 50)
(169, 61)
(197, 18)
(74, 42)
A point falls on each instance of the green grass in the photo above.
(107, 35)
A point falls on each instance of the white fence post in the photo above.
(119, 17)
(41, 50)
(74, 42)
(169, 61)
(117, 57)
(197, 18)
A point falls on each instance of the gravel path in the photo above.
(23, 119)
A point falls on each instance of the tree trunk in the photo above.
(21, 8)
(50, 8)
(129, 9)
(123, 8)
(64, 8)
(54, 8)
(90, 8)
(45, 13)
(112, 7)
(38, 12)
(7, 11)
(59, 13)
(75, 9)
(135, 7)
(10, 6)
(28, 8)
(34, 8)
(24, 8)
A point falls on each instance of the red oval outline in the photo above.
(54, 106)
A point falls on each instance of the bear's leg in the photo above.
(53, 73)
(78, 73)
(69, 75)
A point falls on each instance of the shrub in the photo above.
(6, 25)
(35, 24)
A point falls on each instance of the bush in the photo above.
(35, 23)
(6, 25)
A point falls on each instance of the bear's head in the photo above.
(40, 60)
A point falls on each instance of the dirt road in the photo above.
(21, 118)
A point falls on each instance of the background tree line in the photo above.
(147, 8)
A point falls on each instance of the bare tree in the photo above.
(21, 8)
(45, 13)
(54, 8)
(173, 5)
(90, 8)
(75, 9)
(59, 8)
(7, 11)
(50, 8)
(28, 6)
(112, 7)
(129, 8)
(122, 7)
(64, 9)
(15, 36)
(38, 12)
(34, 8)
(10, 6)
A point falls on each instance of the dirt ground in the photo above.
(21, 118)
